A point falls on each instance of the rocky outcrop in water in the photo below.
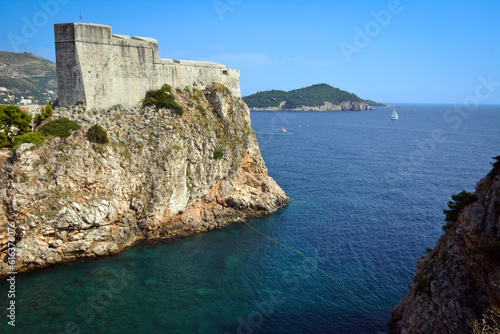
(458, 280)
(160, 175)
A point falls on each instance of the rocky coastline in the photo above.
(328, 106)
(458, 281)
(157, 177)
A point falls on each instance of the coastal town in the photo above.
(26, 100)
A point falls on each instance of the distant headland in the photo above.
(320, 97)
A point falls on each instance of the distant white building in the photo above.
(3, 89)
(24, 101)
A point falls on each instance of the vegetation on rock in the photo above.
(218, 153)
(61, 127)
(30, 137)
(422, 284)
(13, 116)
(496, 164)
(4, 140)
(45, 112)
(162, 98)
(96, 134)
(15, 126)
(486, 248)
(459, 202)
(220, 88)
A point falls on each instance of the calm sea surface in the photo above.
(367, 196)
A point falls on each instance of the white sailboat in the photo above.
(394, 116)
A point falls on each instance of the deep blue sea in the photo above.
(366, 198)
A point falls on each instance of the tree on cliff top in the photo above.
(496, 164)
(45, 112)
(460, 200)
(13, 122)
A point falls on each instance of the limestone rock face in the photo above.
(462, 273)
(157, 177)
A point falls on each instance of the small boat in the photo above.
(283, 129)
(394, 116)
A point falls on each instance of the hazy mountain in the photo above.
(24, 74)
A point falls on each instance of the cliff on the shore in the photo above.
(458, 281)
(160, 175)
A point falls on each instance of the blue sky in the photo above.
(389, 51)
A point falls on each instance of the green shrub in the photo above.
(167, 88)
(30, 137)
(488, 247)
(422, 284)
(428, 250)
(13, 116)
(218, 153)
(61, 127)
(96, 134)
(162, 98)
(3, 140)
(459, 202)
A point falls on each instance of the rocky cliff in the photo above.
(158, 176)
(327, 106)
(458, 280)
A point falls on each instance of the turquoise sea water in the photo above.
(367, 196)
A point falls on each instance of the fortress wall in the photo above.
(197, 75)
(69, 74)
(116, 73)
(103, 69)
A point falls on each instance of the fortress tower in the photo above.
(104, 69)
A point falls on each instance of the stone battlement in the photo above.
(104, 69)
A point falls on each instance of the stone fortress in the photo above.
(104, 69)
